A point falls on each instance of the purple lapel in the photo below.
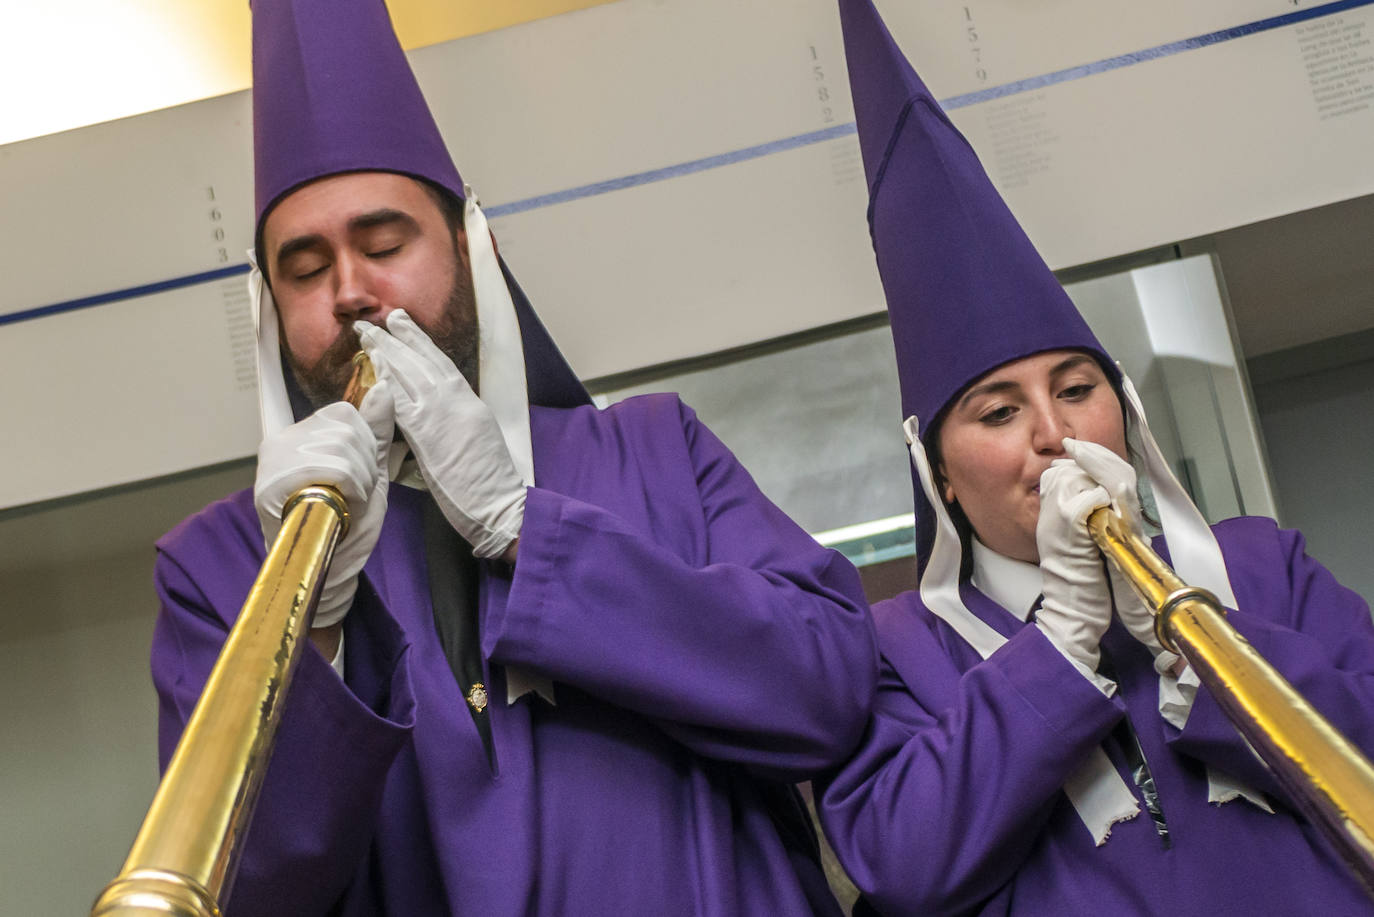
(928, 655)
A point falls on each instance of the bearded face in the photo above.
(357, 246)
(454, 332)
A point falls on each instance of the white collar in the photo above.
(1013, 584)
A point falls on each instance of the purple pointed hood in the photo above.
(966, 291)
(333, 92)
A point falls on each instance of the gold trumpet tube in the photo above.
(1321, 770)
(183, 859)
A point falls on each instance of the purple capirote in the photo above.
(966, 290)
(333, 93)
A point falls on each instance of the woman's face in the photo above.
(1004, 431)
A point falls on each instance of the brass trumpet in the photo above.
(185, 854)
(1323, 772)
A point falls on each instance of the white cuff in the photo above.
(1101, 682)
(337, 663)
(1176, 696)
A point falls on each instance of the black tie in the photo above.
(453, 590)
(1129, 743)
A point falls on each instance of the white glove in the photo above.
(346, 449)
(1077, 606)
(1118, 478)
(454, 435)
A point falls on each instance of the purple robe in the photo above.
(705, 653)
(953, 805)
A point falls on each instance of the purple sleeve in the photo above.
(1313, 630)
(314, 819)
(939, 807)
(759, 651)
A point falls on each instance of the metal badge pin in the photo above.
(477, 697)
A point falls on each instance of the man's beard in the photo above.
(455, 333)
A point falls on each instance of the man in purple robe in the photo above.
(571, 661)
(1033, 749)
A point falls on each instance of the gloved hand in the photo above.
(1118, 478)
(1077, 607)
(453, 434)
(347, 449)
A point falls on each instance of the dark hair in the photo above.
(450, 204)
(956, 512)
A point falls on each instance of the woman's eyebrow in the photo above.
(988, 388)
(1071, 362)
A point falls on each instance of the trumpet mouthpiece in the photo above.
(363, 378)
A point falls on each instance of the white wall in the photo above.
(1316, 408)
(78, 762)
(78, 752)
(682, 171)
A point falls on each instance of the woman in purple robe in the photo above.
(1033, 749)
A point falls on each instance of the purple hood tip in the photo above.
(966, 290)
(333, 93)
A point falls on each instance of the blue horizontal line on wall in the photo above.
(653, 176)
(102, 299)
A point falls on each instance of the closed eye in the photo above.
(385, 252)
